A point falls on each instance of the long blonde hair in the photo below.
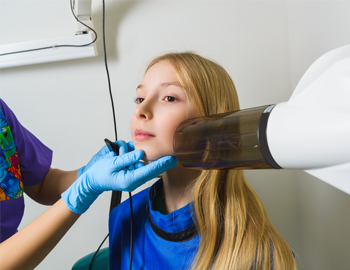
(235, 231)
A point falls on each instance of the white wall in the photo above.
(266, 46)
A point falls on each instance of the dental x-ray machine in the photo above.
(309, 132)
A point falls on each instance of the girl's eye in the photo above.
(139, 100)
(170, 99)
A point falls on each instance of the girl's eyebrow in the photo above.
(163, 85)
(171, 83)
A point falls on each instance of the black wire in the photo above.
(106, 65)
(59, 46)
(90, 267)
(131, 232)
(116, 138)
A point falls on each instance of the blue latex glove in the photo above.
(123, 148)
(124, 173)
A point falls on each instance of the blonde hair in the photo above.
(235, 231)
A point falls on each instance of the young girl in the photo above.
(190, 219)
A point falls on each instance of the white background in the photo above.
(266, 46)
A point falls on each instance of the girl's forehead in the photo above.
(159, 72)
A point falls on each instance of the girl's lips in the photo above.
(142, 135)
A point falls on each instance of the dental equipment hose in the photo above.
(116, 195)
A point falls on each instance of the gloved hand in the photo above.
(124, 173)
(123, 148)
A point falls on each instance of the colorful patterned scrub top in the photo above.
(24, 161)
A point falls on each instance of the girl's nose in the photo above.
(144, 111)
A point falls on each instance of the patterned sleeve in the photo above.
(33, 156)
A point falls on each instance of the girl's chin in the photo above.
(152, 157)
(149, 156)
(151, 152)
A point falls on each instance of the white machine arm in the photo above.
(312, 130)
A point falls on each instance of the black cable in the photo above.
(116, 195)
(59, 46)
(106, 66)
(97, 251)
(131, 232)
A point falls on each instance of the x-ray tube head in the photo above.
(309, 132)
(232, 140)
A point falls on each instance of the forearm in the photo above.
(50, 189)
(28, 247)
(55, 183)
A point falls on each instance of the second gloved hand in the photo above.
(124, 173)
(123, 148)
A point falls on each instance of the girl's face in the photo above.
(162, 105)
